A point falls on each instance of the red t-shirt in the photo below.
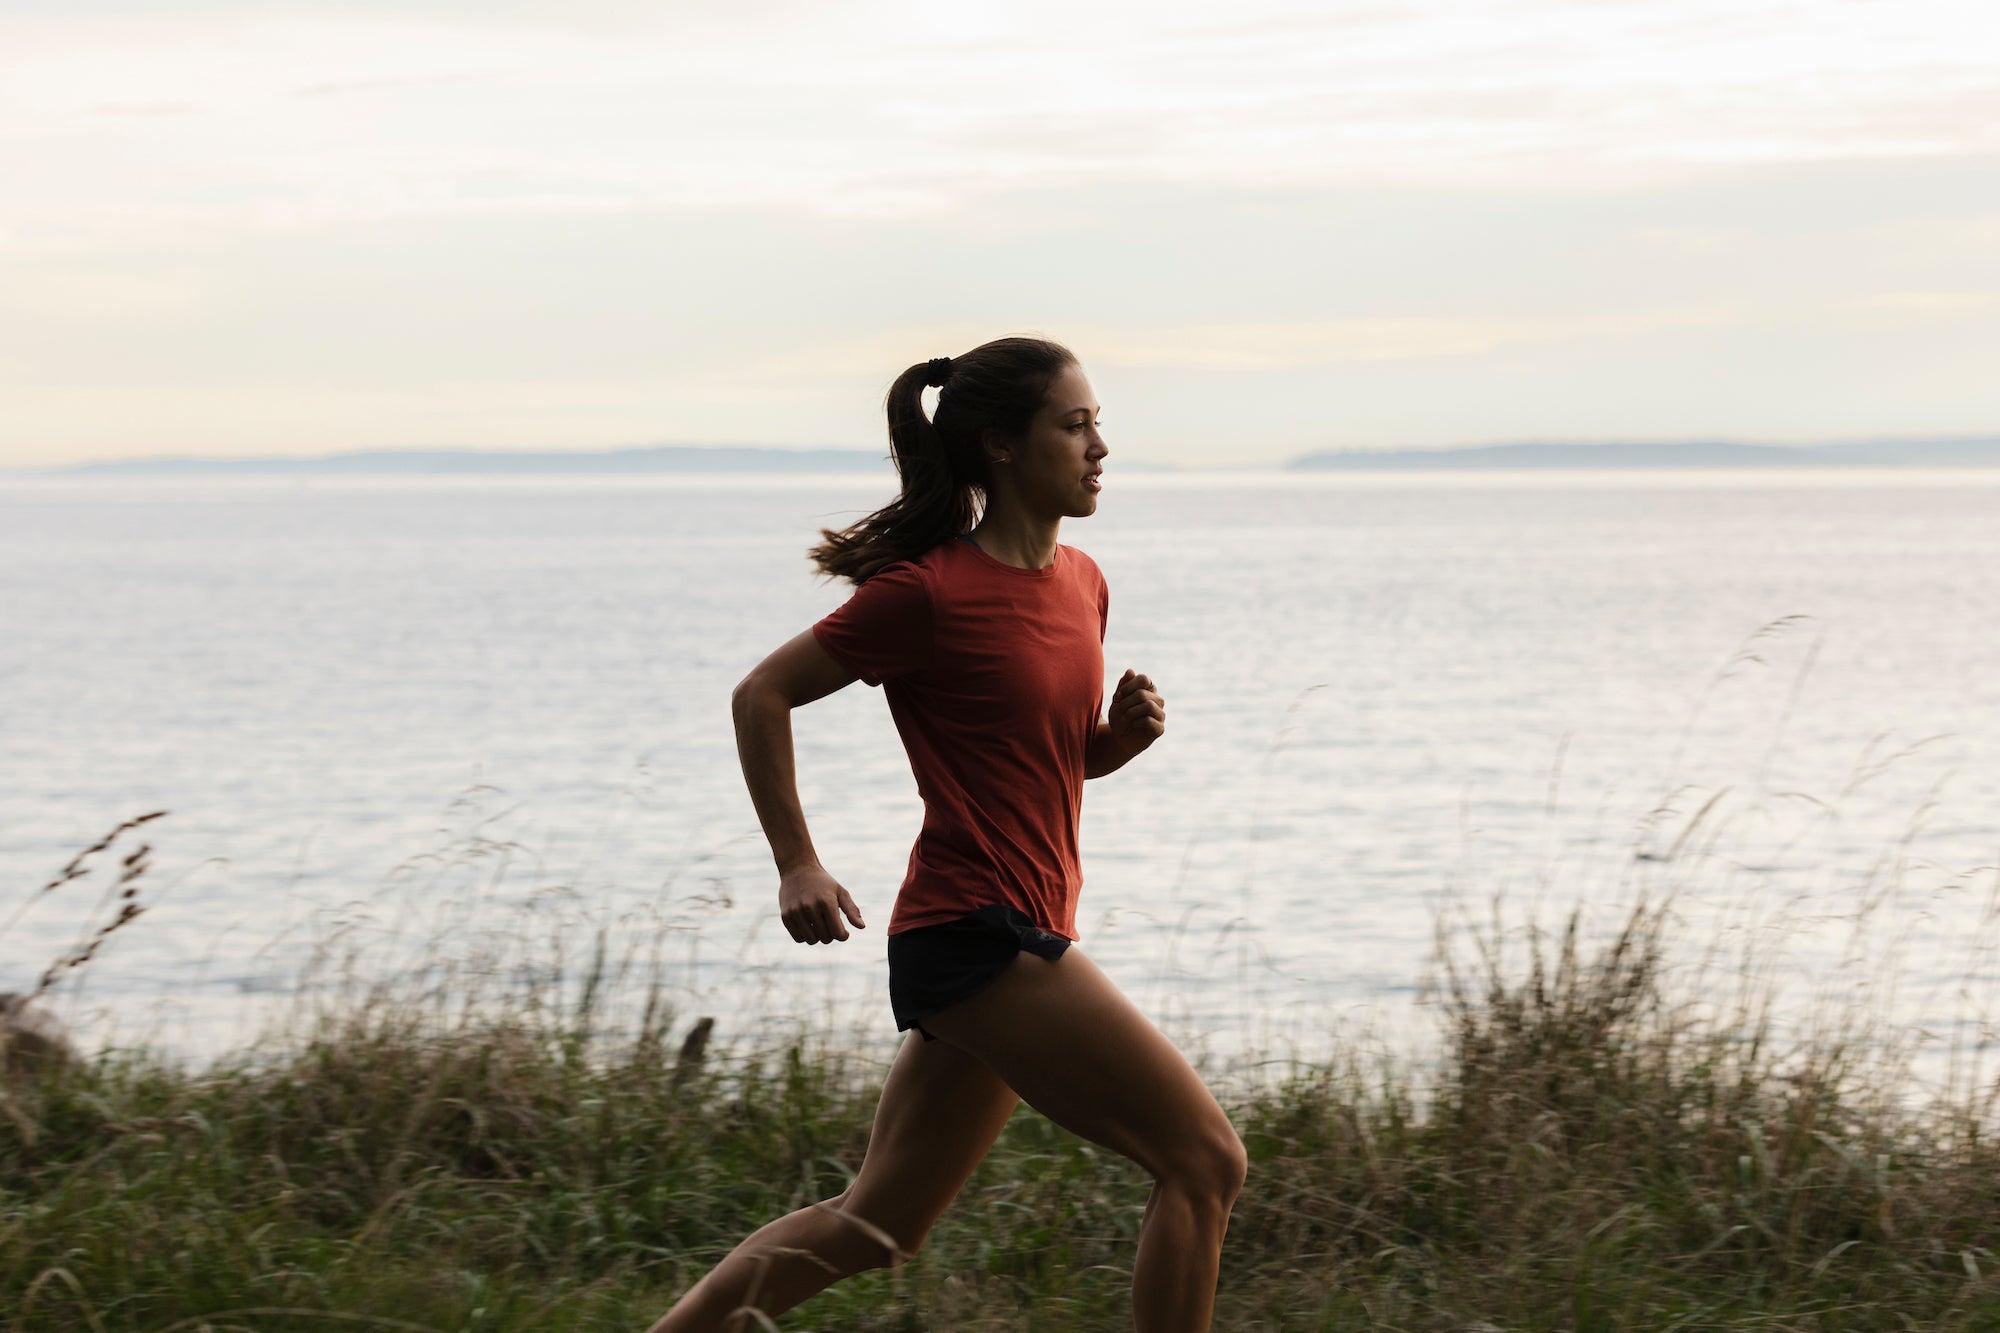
(995, 678)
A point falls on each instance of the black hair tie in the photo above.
(937, 370)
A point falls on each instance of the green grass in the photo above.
(1588, 1152)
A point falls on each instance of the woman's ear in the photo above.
(995, 448)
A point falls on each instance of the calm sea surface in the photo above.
(472, 722)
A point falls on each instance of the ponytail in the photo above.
(997, 387)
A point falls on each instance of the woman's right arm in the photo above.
(810, 901)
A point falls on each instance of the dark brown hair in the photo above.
(997, 387)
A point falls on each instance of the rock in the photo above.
(692, 1051)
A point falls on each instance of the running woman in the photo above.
(987, 641)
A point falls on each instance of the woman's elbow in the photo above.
(756, 693)
(743, 699)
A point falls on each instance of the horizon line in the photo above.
(847, 453)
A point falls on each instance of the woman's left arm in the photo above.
(1137, 717)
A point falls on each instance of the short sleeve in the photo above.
(1093, 580)
(884, 630)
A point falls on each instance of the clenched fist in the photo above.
(1138, 715)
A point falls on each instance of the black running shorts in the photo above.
(934, 967)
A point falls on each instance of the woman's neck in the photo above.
(1016, 538)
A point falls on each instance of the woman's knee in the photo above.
(1212, 1166)
(1235, 1163)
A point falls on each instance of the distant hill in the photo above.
(770, 460)
(469, 462)
(1870, 453)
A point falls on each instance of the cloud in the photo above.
(1224, 348)
(884, 108)
(301, 226)
(43, 295)
(1927, 303)
(1299, 344)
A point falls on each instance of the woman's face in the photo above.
(1055, 467)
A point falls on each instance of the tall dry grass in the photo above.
(1595, 1147)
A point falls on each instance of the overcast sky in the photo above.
(291, 228)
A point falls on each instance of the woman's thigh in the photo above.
(940, 1111)
(1077, 1050)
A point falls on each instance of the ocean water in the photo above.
(472, 723)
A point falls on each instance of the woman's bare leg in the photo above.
(940, 1111)
(1070, 1043)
